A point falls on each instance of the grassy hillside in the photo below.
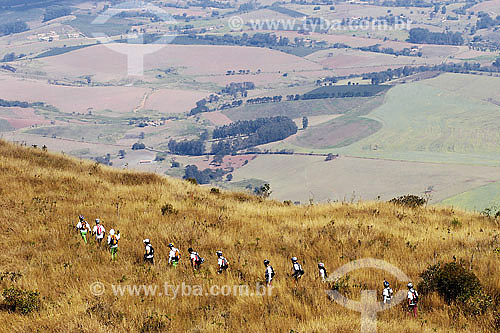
(42, 195)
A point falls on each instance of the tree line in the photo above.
(13, 28)
(258, 132)
(424, 36)
(55, 12)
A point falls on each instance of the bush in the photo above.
(168, 209)
(456, 284)
(22, 301)
(409, 200)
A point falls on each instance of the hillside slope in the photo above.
(42, 195)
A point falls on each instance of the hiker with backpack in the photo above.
(387, 293)
(83, 227)
(323, 274)
(196, 260)
(113, 243)
(98, 231)
(174, 255)
(296, 269)
(412, 300)
(149, 252)
(269, 274)
(222, 262)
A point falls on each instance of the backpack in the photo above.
(99, 230)
(300, 270)
(113, 241)
(178, 254)
(151, 250)
(415, 297)
(225, 263)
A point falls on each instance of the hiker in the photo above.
(196, 260)
(83, 227)
(297, 269)
(387, 293)
(113, 243)
(174, 256)
(269, 275)
(323, 274)
(412, 300)
(149, 252)
(98, 231)
(222, 262)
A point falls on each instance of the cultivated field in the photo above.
(434, 122)
(346, 178)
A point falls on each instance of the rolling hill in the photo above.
(43, 193)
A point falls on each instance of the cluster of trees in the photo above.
(106, 160)
(203, 176)
(421, 35)
(388, 50)
(485, 21)
(201, 106)
(152, 16)
(12, 56)
(259, 131)
(380, 77)
(233, 104)
(138, 146)
(238, 87)
(266, 99)
(13, 28)
(55, 12)
(187, 147)
(209, 4)
(19, 104)
(406, 3)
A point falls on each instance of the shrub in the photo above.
(457, 284)
(409, 200)
(214, 190)
(156, 323)
(168, 209)
(192, 181)
(22, 301)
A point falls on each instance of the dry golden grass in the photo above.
(42, 195)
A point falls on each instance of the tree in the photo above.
(443, 10)
(121, 153)
(264, 191)
(9, 57)
(138, 146)
(305, 122)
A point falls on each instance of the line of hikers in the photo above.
(196, 261)
(99, 232)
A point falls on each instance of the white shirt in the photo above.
(148, 251)
(221, 260)
(322, 273)
(101, 235)
(193, 256)
(387, 294)
(80, 225)
(171, 254)
(410, 296)
(109, 241)
(269, 273)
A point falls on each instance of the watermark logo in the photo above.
(319, 24)
(368, 305)
(135, 55)
(173, 291)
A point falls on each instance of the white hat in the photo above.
(410, 285)
(112, 232)
(146, 241)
